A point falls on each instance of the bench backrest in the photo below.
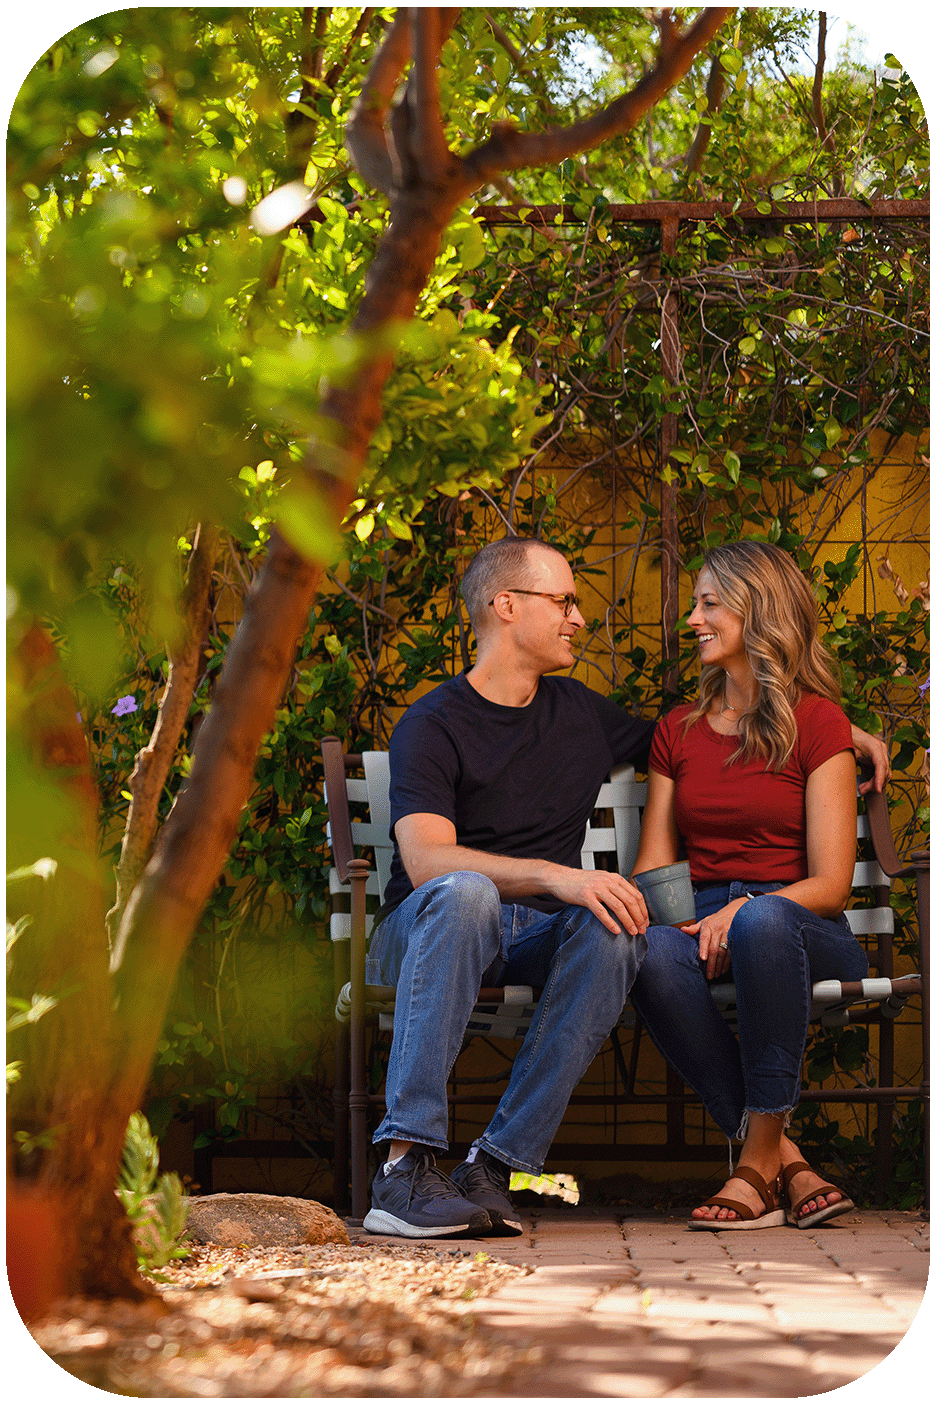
(619, 803)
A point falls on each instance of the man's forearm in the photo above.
(514, 878)
(615, 902)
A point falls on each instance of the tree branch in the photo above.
(196, 838)
(427, 136)
(714, 91)
(508, 149)
(339, 66)
(669, 34)
(153, 761)
(503, 38)
(817, 113)
(365, 137)
(301, 128)
(322, 16)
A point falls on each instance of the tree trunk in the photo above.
(68, 1135)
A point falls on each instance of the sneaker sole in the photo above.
(501, 1227)
(380, 1221)
(504, 1228)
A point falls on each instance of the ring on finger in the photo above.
(723, 945)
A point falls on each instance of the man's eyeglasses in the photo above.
(568, 602)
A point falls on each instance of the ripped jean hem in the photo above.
(745, 1125)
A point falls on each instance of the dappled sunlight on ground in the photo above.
(562, 1187)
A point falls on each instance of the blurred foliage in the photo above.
(166, 362)
(21, 1011)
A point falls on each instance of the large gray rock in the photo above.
(262, 1221)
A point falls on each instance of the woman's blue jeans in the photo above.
(778, 949)
(450, 937)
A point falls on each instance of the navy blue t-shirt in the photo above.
(519, 781)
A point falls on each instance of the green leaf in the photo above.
(468, 240)
(382, 438)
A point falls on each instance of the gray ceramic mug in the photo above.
(667, 893)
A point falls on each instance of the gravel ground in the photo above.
(371, 1320)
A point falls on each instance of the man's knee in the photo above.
(669, 948)
(472, 895)
(608, 951)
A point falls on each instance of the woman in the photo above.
(757, 779)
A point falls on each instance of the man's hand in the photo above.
(615, 901)
(872, 751)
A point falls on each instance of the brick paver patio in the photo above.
(630, 1304)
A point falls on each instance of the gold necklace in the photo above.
(725, 707)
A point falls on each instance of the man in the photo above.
(493, 776)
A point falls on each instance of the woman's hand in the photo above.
(712, 932)
(871, 751)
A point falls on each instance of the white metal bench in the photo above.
(360, 785)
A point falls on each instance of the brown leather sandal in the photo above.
(818, 1216)
(772, 1217)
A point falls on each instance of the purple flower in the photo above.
(124, 705)
(924, 688)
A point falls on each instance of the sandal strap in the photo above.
(820, 1189)
(789, 1172)
(768, 1197)
(744, 1211)
(721, 1201)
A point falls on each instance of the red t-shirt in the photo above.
(744, 820)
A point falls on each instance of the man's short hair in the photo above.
(501, 565)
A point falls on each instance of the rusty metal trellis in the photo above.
(670, 215)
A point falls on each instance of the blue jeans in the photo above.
(778, 949)
(450, 937)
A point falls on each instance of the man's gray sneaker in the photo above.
(416, 1200)
(486, 1181)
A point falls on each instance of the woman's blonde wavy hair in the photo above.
(781, 636)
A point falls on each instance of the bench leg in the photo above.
(358, 1099)
(340, 1098)
(921, 864)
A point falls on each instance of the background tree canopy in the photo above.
(188, 242)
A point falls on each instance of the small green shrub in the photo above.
(156, 1205)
